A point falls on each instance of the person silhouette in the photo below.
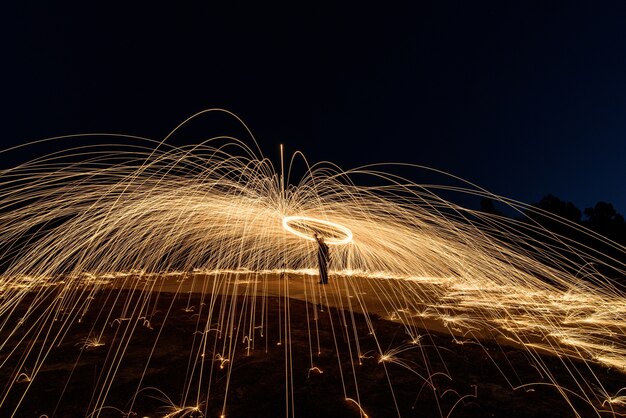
(322, 258)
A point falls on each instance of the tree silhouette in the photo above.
(487, 206)
(556, 206)
(603, 219)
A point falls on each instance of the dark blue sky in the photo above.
(523, 100)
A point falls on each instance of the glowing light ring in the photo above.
(340, 229)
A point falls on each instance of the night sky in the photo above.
(523, 100)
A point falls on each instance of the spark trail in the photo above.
(216, 220)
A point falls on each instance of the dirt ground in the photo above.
(280, 375)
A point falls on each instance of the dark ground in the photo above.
(257, 384)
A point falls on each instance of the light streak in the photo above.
(314, 369)
(91, 342)
(363, 414)
(23, 378)
(222, 360)
(217, 221)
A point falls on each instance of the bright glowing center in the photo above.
(305, 227)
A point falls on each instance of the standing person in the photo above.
(322, 258)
